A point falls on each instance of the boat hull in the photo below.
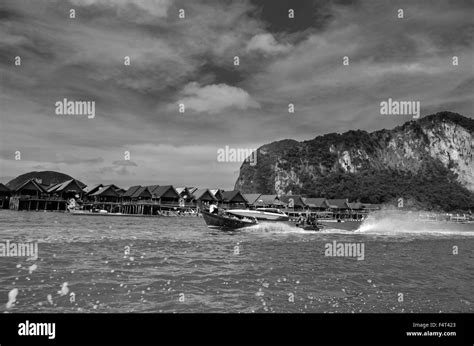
(224, 222)
(312, 228)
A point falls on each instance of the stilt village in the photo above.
(163, 200)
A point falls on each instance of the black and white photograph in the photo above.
(218, 159)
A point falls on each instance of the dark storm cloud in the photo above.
(309, 15)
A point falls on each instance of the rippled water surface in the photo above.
(179, 265)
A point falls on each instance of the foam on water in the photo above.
(284, 228)
(335, 231)
(396, 225)
(277, 227)
(12, 297)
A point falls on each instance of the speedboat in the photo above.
(227, 221)
(261, 214)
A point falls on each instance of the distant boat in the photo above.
(227, 221)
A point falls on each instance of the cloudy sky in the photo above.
(191, 61)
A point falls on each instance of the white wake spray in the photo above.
(400, 223)
(277, 227)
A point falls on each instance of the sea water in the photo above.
(177, 264)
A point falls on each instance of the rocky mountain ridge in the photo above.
(434, 152)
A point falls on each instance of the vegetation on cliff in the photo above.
(376, 167)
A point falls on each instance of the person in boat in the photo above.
(250, 220)
(213, 209)
(301, 220)
(71, 204)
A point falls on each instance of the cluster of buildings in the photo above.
(157, 199)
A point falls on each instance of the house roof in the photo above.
(315, 202)
(139, 192)
(252, 197)
(53, 187)
(337, 203)
(158, 191)
(355, 205)
(106, 189)
(93, 188)
(62, 186)
(4, 188)
(131, 190)
(185, 191)
(117, 189)
(34, 182)
(192, 189)
(297, 200)
(181, 189)
(152, 189)
(264, 200)
(233, 196)
(218, 193)
(199, 193)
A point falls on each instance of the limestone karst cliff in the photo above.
(429, 160)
